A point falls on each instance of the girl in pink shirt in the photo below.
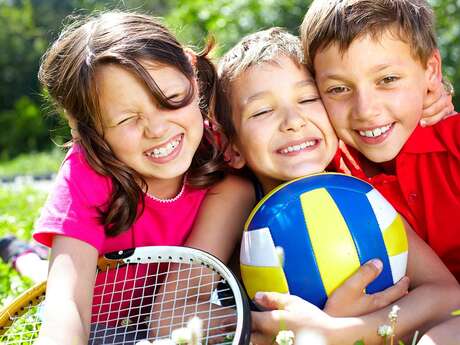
(144, 169)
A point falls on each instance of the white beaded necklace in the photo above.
(168, 200)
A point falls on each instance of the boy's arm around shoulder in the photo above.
(220, 221)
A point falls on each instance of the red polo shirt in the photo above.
(425, 188)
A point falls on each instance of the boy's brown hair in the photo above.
(260, 47)
(342, 21)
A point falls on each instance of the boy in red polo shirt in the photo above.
(374, 68)
(375, 63)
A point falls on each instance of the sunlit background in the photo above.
(28, 26)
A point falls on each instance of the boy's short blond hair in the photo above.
(265, 46)
(342, 21)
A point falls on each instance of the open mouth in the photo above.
(376, 132)
(303, 146)
(375, 135)
(166, 149)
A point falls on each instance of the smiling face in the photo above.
(282, 129)
(374, 92)
(156, 142)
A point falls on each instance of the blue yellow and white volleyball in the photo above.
(328, 225)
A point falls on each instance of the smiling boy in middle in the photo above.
(275, 148)
(277, 126)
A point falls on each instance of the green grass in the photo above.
(19, 207)
(32, 164)
(18, 211)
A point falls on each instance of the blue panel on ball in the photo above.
(337, 181)
(363, 225)
(279, 200)
(288, 230)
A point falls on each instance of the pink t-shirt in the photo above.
(71, 210)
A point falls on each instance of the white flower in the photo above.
(160, 342)
(393, 314)
(285, 338)
(195, 326)
(181, 336)
(385, 331)
(144, 342)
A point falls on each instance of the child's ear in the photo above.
(233, 157)
(191, 56)
(434, 71)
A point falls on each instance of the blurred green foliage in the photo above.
(229, 20)
(448, 28)
(28, 26)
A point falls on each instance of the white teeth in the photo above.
(299, 147)
(375, 132)
(164, 151)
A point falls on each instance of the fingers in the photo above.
(272, 300)
(350, 299)
(363, 277)
(437, 111)
(390, 295)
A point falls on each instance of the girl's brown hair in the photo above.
(67, 73)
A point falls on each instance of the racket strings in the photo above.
(169, 297)
(24, 326)
(147, 301)
(136, 305)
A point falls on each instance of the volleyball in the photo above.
(327, 225)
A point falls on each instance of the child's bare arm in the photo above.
(446, 333)
(434, 292)
(69, 292)
(219, 225)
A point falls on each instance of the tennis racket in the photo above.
(147, 293)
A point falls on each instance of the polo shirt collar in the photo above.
(423, 140)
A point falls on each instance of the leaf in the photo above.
(359, 342)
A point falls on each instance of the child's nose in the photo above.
(366, 105)
(155, 126)
(292, 120)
